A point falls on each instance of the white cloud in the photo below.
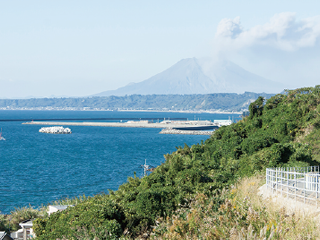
(285, 49)
(229, 28)
(283, 32)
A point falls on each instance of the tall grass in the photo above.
(238, 213)
(11, 221)
(70, 201)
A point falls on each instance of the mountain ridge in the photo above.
(194, 76)
(163, 102)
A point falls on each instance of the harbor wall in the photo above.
(116, 124)
(185, 132)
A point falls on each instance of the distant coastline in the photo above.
(217, 103)
(122, 110)
(189, 111)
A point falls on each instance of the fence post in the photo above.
(273, 180)
(317, 182)
(267, 177)
(288, 172)
(281, 177)
(305, 184)
(276, 180)
(295, 185)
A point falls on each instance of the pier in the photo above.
(203, 127)
(92, 119)
(131, 124)
(185, 132)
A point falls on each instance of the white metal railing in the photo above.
(298, 183)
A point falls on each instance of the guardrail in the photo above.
(298, 183)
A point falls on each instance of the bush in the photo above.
(98, 213)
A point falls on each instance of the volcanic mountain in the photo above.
(193, 76)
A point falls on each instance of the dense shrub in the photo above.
(98, 213)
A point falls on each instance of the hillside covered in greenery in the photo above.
(196, 183)
(217, 101)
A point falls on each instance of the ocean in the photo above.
(38, 168)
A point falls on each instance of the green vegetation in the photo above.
(222, 101)
(192, 194)
(237, 214)
(11, 222)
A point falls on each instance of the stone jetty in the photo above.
(185, 132)
(131, 124)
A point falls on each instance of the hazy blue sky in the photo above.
(78, 48)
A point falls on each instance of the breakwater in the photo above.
(91, 119)
(185, 132)
(139, 124)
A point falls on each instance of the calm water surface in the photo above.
(38, 168)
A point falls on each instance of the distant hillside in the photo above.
(193, 76)
(217, 101)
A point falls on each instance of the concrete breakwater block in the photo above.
(55, 130)
(186, 132)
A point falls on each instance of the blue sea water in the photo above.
(38, 168)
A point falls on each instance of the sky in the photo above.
(79, 48)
